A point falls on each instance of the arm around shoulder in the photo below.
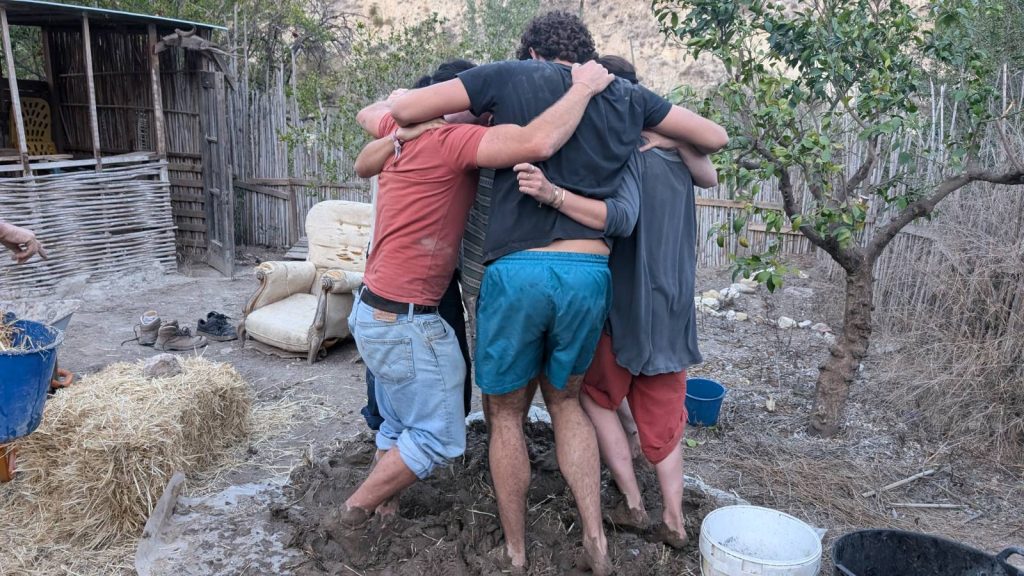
(682, 124)
(431, 102)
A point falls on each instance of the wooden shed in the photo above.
(117, 156)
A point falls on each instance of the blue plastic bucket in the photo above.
(703, 401)
(25, 378)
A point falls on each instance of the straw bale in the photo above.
(95, 468)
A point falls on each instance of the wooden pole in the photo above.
(94, 125)
(12, 78)
(55, 102)
(158, 97)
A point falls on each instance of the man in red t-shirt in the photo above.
(425, 192)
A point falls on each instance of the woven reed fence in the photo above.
(280, 165)
(93, 223)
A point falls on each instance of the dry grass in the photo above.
(959, 370)
(12, 338)
(90, 475)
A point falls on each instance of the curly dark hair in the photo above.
(557, 35)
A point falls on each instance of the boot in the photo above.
(146, 330)
(172, 337)
(216, 327)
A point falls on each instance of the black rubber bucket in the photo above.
(897, 553)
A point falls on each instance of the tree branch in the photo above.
(862, 173)
(849, 258)
(925, 206)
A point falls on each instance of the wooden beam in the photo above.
(158, 96)
(94, 124)
(12, 78)
(56, 119)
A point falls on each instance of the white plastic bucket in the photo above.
(755, 541)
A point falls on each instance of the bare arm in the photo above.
(374, 155)
(615, 216)
(508, 144)
(369, 118)
(701, 169)
(372, 158)
(682, 124)
(431, 102)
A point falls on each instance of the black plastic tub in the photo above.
(898, 553)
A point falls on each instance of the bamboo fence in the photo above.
(93, 223)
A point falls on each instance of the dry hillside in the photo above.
(623, 27)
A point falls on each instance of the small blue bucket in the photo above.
(25, 378)
(703, 401)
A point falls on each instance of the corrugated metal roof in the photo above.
(42, 13)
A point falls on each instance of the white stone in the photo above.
(797, 292)
(162, 366)
(821, 327)
(805, 324)
(730, 315)
(749, 283)
(802, 275)
(829, 337)
(731, 294)
(711, 303)
(741, 317)
(713, 294)
(785, 322)
(742, 288)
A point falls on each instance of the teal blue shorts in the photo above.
(539, 313)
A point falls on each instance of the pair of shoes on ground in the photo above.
(169, 336)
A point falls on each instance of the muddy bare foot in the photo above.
(633, 519)
(662, 533)
(388, 511)
(346, 519)
(504, 562)
(595, 558)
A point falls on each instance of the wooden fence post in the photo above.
(94, 125)
(12, 79)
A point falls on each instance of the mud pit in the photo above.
(449, 524)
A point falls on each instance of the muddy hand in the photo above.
(592, 75)
(22, 243)
(416, 130)
(533, 183)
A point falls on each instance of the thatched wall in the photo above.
(93, 223)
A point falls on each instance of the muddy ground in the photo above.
(759, 450)
(449, 524)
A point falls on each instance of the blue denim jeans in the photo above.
(450, 309)
(418, 375)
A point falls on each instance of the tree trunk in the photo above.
(836, 374)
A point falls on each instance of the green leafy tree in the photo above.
(803, 81)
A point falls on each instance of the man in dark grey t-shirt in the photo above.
(546, 291)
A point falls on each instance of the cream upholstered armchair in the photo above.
(301, 308)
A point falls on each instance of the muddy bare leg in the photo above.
(389, 477)
(389, 509)
(670, 478)
(579, 461)
(510, 466)
(615, 450)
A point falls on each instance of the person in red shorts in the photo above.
(650, 337)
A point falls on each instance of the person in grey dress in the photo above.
(650, 338)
